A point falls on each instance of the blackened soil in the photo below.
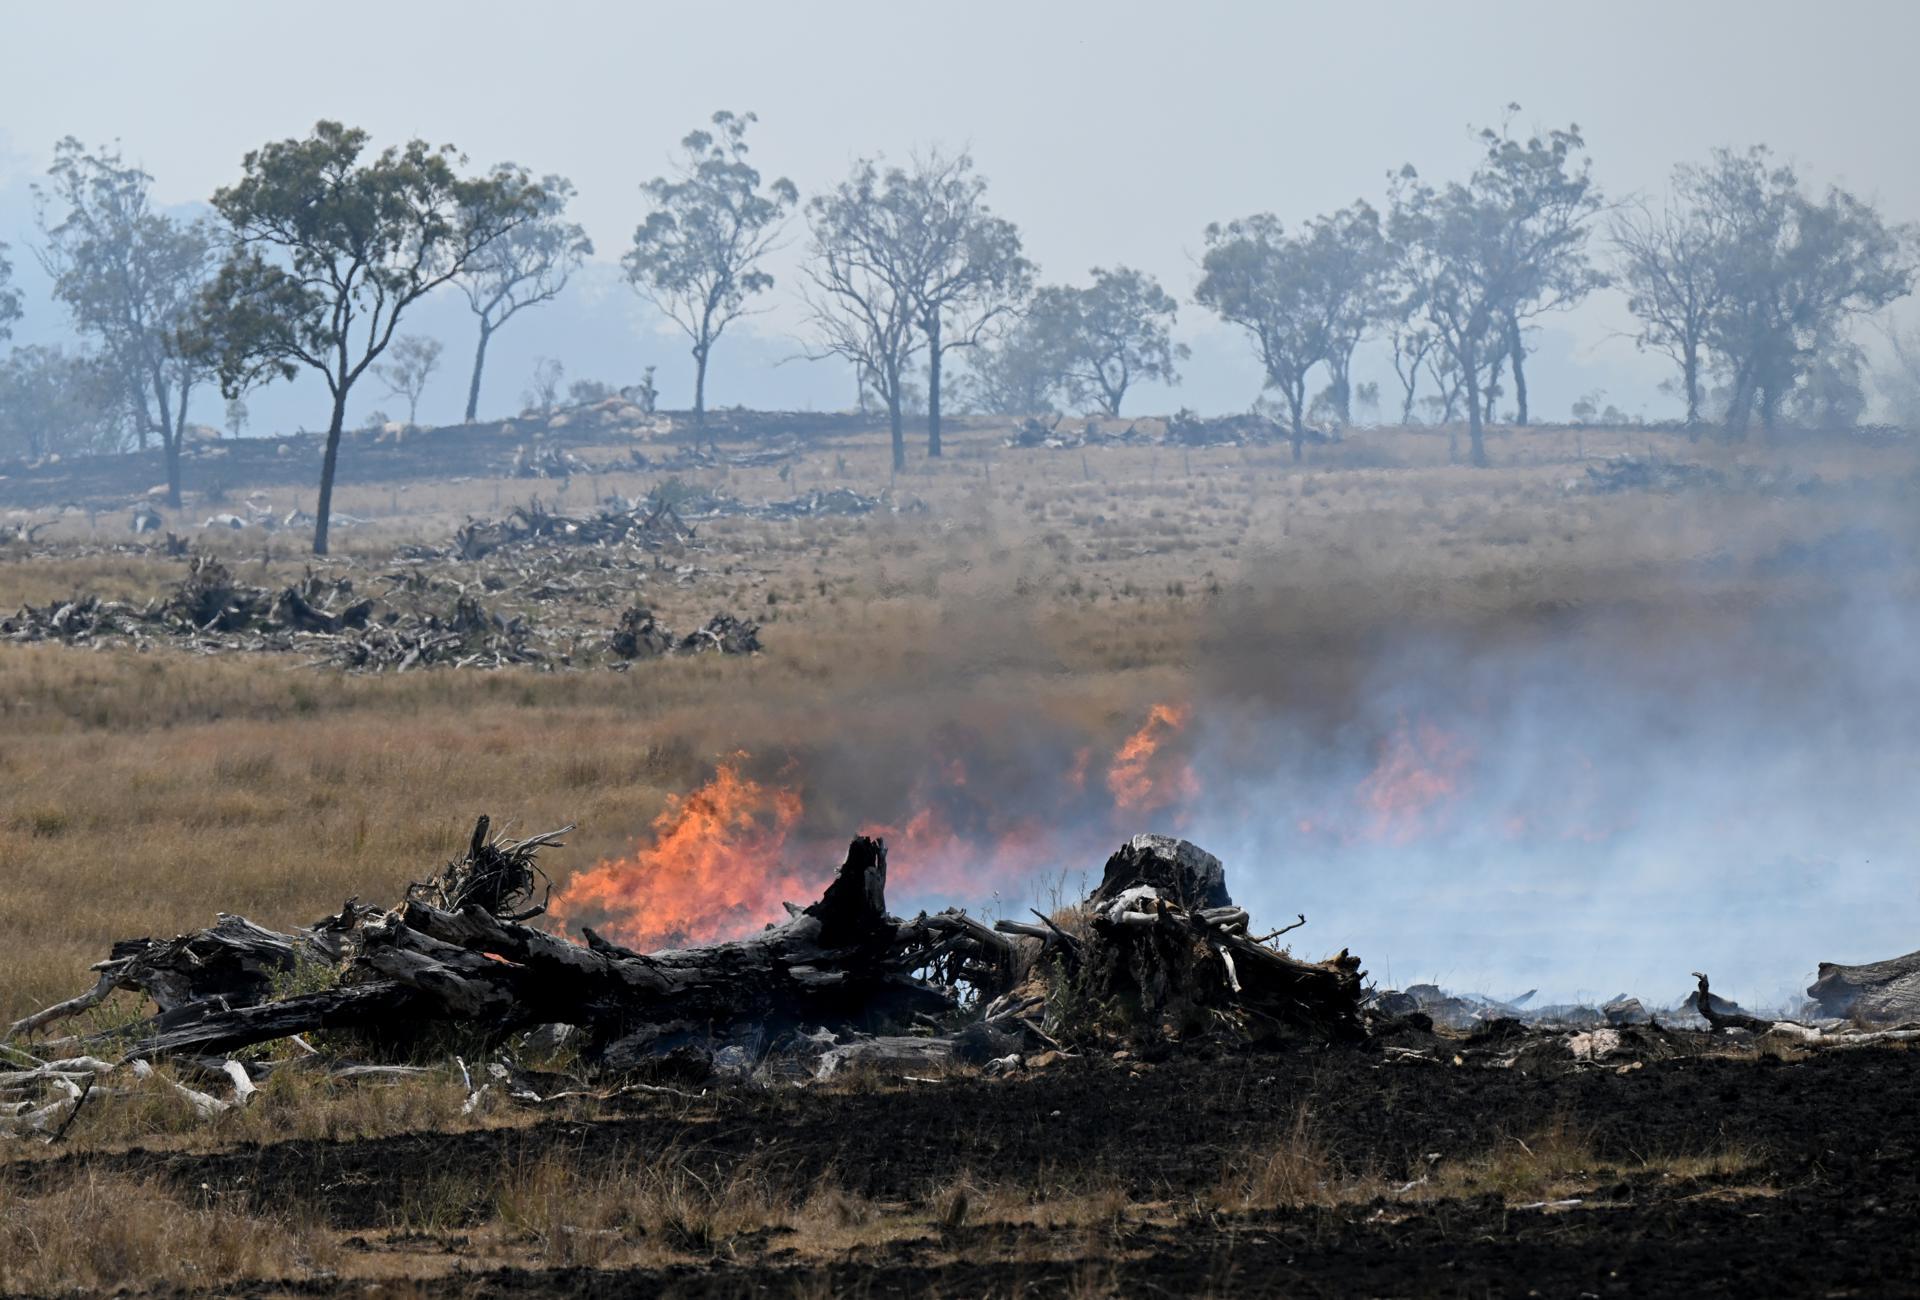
(1831, 1206)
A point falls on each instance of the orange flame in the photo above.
(1408, 793)
(714, 865)
(714, 868)
(1139, 784)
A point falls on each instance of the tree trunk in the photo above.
(323, 511)
(1517, 352)
(1470, 370)
(1690, 375)
(173, 445)
(898, 422)
(933, 386)
(700, 384)
(1342, 393)
(1296, 401)
(170, 440)
(479, 363)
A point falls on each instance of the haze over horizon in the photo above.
(1110, 135)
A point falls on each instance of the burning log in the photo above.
(1160, 935)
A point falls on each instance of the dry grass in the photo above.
(105, 1232)
(140, 794)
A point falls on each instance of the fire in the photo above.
(1140, 784)
(714, 863)
(713, 869)
(1410, 790)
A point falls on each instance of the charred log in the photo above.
(1881, 992)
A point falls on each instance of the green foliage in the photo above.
(1789, 271)
(330, 248)
(1107, 337)
(697, 255)
(9, 296)
(1480, 257)
(1257, 276)
(130, 277)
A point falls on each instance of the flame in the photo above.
(1138, 783)
(713, 868)
(1410, 791)
(714, 863)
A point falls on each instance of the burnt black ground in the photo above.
(1833, 1207)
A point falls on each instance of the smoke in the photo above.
(1590, 776)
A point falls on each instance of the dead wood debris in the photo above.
(1158, 955)
(418, 621)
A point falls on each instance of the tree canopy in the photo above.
(859, 304)
(9, 296)
(697, 256)
(527, 265)
(131, 278)
(329, 248)
(1101, 340)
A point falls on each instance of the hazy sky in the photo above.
(1112, 132)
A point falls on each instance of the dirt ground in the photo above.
(1697, 1174)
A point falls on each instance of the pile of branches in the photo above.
(641, 525)
(212, 612)
(1161, 953)
(639, 635)
(1252, 429)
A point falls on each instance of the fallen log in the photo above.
(1881, 992)
(1161, 936)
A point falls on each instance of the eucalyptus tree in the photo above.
(1544, 186)
(697, 256)
(528, 265)
(1103, 339)
(329, 248)
(1017, 369)
(130, 277)
(1259, 277)
(9, 296)
(859, 307)
(1349, 254)
(1481, 256)
(1790, 271)
(958, 264)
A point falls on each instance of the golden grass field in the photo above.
(141, 793)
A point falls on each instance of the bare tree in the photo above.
(697, 255)
(543, 390)
(525, 267)
(1665, 262)
(410, 363)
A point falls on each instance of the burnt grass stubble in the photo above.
(1831, 1205)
